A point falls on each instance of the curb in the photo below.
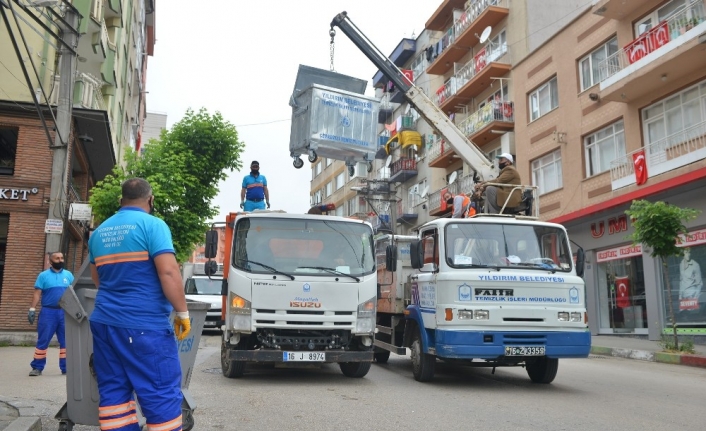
(25, 423)
(644, 355)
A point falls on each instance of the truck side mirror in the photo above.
(580, 261)
(416, 254)
(210, 267)
(391, 258)
(211, 244)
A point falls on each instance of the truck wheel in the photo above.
(355, 369)
(422, 363)
(66, 426)
(381, 357)
(543, 370)
(231, 369)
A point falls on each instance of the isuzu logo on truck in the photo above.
(494, 292)
(304, 304)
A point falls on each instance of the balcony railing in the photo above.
(650, 41)
(494, 111)
(475, 8)
(403, 164)
(445, 91)
(672, 152)
(438, 149)
(461, 185)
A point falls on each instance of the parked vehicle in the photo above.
(207, 289)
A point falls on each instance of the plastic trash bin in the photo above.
(82, 397)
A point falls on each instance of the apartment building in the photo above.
(621, 89)
(115, 38)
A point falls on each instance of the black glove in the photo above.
(242, 205)
(268, 205)
(30, 316)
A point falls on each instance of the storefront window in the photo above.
(621, 290)
(688, 295)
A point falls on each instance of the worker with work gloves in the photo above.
(133, 264)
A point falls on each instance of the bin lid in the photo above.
(307, 76)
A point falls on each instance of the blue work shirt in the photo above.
(123, 249)
(53, 284)
(254, 187)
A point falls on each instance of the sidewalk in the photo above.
(25, 401)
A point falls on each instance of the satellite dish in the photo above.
(486, 34)
(425, 190)
(452, 177)
(388, 161)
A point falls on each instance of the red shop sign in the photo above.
(619, 253)
(692, 238)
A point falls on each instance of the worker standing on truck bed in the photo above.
(134, 349)
(254, 190)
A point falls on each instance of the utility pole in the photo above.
(60, 170)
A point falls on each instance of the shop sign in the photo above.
(54, 226)
(80, 212)
(615, 225)
(17, 194)
(693, 238)
(619, 253)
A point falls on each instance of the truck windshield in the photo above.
(538, 247)
(203, 286)
(303, 246)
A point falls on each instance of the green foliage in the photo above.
(184, 167)
(668, 344)
(657, 225)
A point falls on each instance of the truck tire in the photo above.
(422, 363)
(231, 369)
(355, 369)
(543, 370)
(381, 357)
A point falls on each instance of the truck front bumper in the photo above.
(278, 356)
(491, 344)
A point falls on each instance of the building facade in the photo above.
(108, 108)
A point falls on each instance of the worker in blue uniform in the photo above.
(50, 286)
(254, 194)
(139, 284)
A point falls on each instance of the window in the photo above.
(546, 172)
(543, 99)
(340, 180)
(677, 119)
(418, 193)
(496, 47)
(352, 209)
(329, 188)
(328, 162)
(592, 67)
(419, 65)
(8, 150)
(493, 155)
(339, 211)
(665, 12)
(603, 147)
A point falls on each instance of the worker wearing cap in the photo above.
(497, 196)
(254, 194)
(135, 350)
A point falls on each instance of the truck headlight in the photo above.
(563, 316)
(365, 323)
(482, 314)
(465, 314)
(575, 317)
(238, 304)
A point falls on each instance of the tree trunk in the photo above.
(670, 301)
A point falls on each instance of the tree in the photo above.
(184, 167)
(658, 226)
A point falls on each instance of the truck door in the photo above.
(424, 295)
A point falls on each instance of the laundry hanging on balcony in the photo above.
(406, 138)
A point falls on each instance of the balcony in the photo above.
(380, 222)
(402, 170)
(487, 123)
(440, 155)
(400, 56)
(406, 214)
(87, 92)
(114, 9)
(473, 78)
(622, 9)
(669, 51)
(443, 14)
(437, 207)
(668, 154)
(462, 35)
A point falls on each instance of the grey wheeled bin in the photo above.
(82, 398)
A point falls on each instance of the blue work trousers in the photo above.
(145, 362)
(50, 322)
(253, 205)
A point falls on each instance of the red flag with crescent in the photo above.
(622, 292)
(640, 163)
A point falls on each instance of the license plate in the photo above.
(304, 356)
(524, 351)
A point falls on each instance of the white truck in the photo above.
(490, 290)
(299, 289)
(200, 287)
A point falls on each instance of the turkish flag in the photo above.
(640, 163)
(409, 74)
(622, 292)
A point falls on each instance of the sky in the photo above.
(241, 57)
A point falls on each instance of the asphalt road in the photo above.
(598, 393)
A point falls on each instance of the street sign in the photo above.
(80, 212)
(54, 226)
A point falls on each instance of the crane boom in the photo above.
(426, 108)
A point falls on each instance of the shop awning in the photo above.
(406, 138)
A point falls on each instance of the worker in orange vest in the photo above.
(461, 203)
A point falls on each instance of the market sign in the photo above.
(12, 194)
(79, 211)
(692, 238)
(619, 253)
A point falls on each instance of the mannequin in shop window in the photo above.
(690, 283)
